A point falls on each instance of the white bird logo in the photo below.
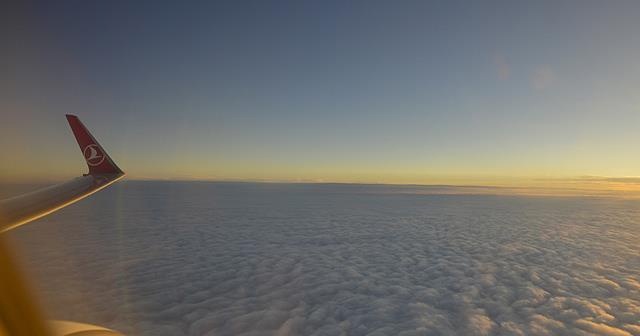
(93, 155)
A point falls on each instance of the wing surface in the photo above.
(102, 173)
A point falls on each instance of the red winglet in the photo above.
(97, 159)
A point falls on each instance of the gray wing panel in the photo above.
(25, 208)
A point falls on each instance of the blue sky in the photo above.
(360, 91)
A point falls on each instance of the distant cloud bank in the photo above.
(169, 258)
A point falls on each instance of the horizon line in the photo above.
(577, 186)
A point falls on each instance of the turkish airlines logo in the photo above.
(93, 155)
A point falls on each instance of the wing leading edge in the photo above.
(102, 173)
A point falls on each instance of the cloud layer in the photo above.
(162, 258)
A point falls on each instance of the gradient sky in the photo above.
(348, 91)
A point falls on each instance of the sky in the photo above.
(426, 92)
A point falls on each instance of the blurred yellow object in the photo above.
(19, 313)
(60, 328)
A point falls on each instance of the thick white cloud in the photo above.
(242, 259)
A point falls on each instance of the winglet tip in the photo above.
(96, 157)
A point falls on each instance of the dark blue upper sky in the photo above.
(404, 91)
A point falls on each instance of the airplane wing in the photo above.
(19, 313)
(102, 172)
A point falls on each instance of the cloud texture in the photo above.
(163, 258)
